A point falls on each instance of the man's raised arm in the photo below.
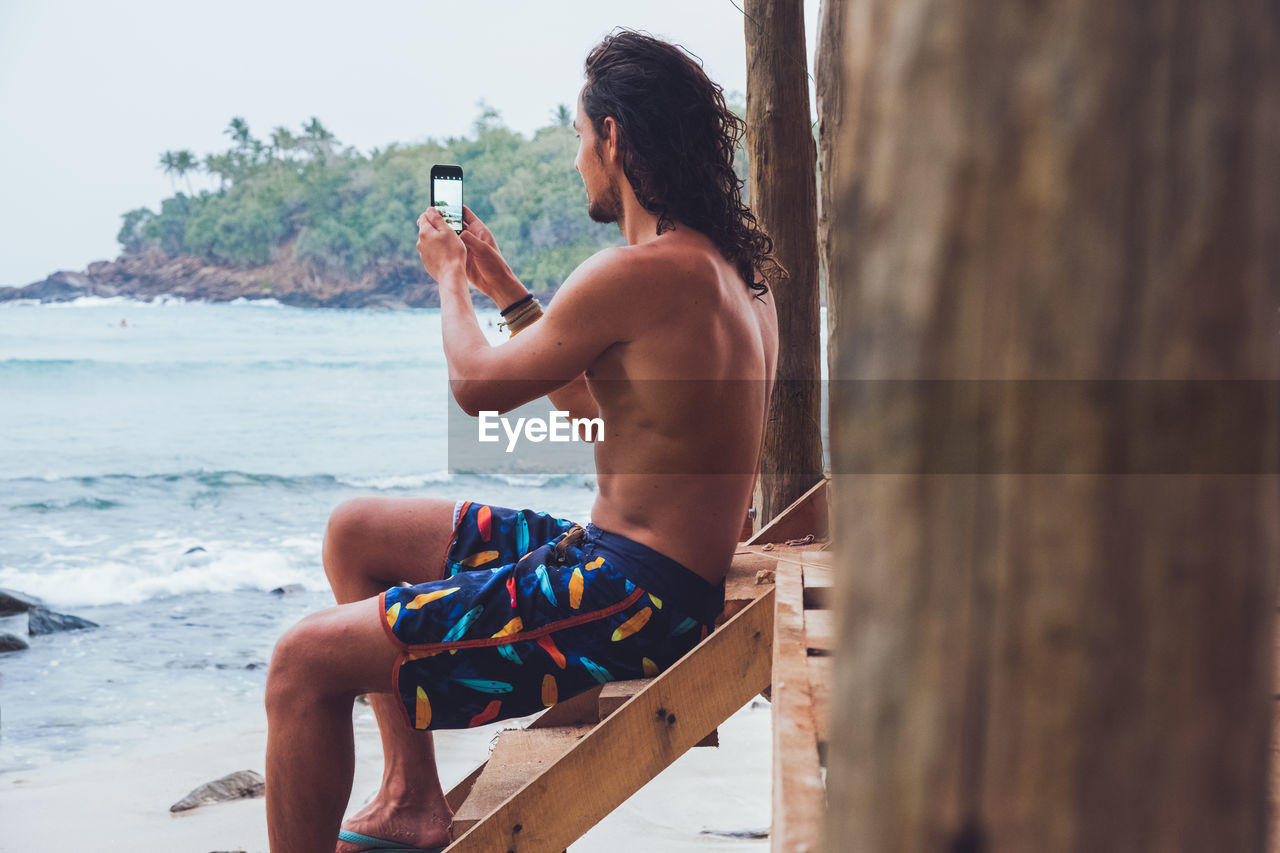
(583, 320)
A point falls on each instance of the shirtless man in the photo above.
(526, 609)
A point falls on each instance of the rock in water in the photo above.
(42, 620)
(12, 643)
(245, 784)
(12, 601)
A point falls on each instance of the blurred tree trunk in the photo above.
(783, 188)
(1077, 658)
(830, 72)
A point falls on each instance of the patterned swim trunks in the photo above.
(534, 610)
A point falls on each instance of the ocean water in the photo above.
(164, 466)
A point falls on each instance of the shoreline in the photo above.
(120, 801)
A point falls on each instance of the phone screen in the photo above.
(446, 191)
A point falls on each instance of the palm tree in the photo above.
(563, 117)
(282, 142)
(238, 130)
(184, 164)
(178, 164)
(320, 141)
(221, 165)
(168, 162)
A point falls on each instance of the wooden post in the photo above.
(1046, 650)
(830, 74)
(784, 200)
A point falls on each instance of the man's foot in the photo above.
(419, 827)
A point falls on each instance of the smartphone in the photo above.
(446, 194)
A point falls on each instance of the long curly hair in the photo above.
(677, 140)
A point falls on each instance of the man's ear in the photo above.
(612, 140)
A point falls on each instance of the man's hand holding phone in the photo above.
(486, 268)
(443, 255)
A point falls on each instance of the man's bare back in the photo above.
(683, 402)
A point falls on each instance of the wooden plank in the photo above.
(636, 742)
(576, 710)
(818, 579)
(519, 755)
(742, 583)
(819, 631)
(458, 793)
(821, 670)
(750, 573)
(807, 515)
(617, 693)
(799, 797)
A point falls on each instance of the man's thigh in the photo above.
(340, 650)
(397, 540)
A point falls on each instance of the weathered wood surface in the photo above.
(798, 792)
(829, 73)
(520, 755)
(1274, 822)
(782, 159)
(1067, 661)
(819, 631)
(806, 515)
(746, 580)
(618, 693)
(637, 741)
(821, 672)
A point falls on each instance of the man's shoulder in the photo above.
(617, 273)
(675, 262)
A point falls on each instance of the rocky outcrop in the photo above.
(12, 601)
(241, 785)
(39, 619)
(42, 620)
(12, 643)
(152, 274)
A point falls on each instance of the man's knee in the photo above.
(351, 524)
(331, 655)
(297, 663)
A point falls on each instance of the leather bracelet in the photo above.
(522, 318)
(528, 297)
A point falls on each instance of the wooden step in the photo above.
(520, 755)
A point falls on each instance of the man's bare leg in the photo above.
(318, 668)
(372, 544)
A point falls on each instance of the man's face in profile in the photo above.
(604, 201)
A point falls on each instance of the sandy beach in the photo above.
(121, 802)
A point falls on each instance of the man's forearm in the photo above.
(507, 291)
(463, 339)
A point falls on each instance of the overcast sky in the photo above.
(91, 93)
